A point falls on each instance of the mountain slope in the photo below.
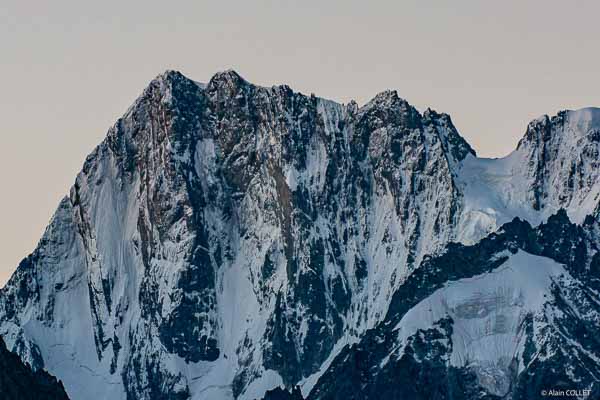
(226, 239)
(556, 165)
(509, 317)
(19, 382)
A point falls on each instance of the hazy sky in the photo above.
(69, 69)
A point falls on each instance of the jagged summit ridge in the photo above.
(227, 238)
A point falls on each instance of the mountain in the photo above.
(556, 165)
(18, 381)
(509, 317)
(226, 239)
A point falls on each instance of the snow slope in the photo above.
(489, 312)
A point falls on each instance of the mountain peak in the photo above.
(228, 78)
(453, 142)
(565, 127)
(170, 74)
(387, 107)
(387, 97)
(168, 78)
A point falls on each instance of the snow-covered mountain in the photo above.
(507, 318)
(226, 239)
(556, 165)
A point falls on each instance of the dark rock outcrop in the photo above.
(18, 381)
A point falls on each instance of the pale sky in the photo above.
(69, 69)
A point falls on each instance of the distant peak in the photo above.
(389, 100)
(566, 123)
(166, 81)
(453, 142)
(587, 116)
(228, 77)
(387, 96)
(170, 75)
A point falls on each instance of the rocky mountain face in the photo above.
(554, 166)
(563, 160)
(18, 381)
(509, 317)
(227, 239)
